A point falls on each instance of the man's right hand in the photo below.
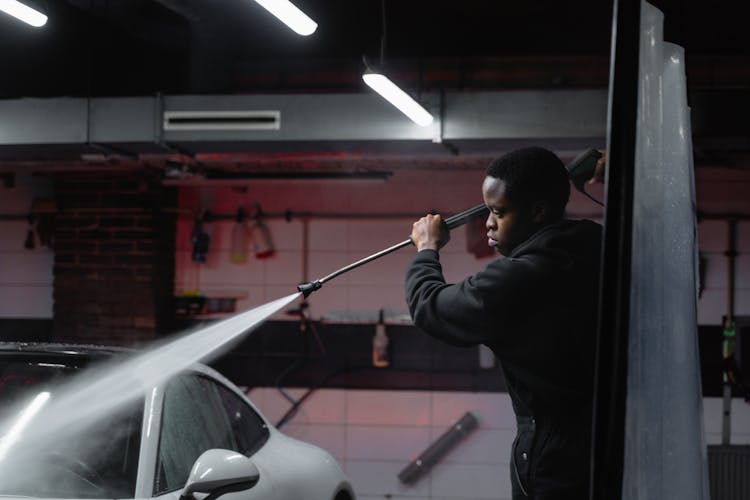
(425, 233)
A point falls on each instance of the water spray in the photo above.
(96, 392)
(452, 222)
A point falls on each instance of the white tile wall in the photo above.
(493, 410)
(380, 478)
(712, 236)
(743, 235)
(364, 297)
(27, 267)
(471, 481)
(286, 235)
(328, 235)
(284, 268)
(380, 272)
(375, 434)
(739, 422)
(323, 263)
(330, 437)
(25, 274)
(402, 408)
(334, 243)
(14, 234)
(386, 442)
(370, 236)
(482, 446)
(26, 301)
(712, 306)
(332, 297)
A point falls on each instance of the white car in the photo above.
(194, 436)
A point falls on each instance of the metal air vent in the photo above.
(222, 120)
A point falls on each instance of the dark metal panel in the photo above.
(123, 120)
(729, 472)
(526, 114)
(614, 308)
(43, 121)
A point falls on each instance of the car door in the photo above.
(199, 414)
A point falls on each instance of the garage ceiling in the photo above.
(231, 49)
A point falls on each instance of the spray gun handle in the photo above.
(582, 168)
(445, 235)
(457, 220)
(462, 218)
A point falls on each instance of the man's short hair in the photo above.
(533, 174)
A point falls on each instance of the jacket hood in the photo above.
(568, 237)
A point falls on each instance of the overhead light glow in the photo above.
(23, 13)
(403, 101)
(290, 15)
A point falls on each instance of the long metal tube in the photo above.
(728, 342)
(451, 222)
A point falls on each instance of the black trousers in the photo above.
(550, 459)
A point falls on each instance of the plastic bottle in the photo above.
(238, 254)
(380, 357)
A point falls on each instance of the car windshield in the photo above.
(97, 460)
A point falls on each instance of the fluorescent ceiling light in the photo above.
(23, 13)
(403, 101)
(290, 15)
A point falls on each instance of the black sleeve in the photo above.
(478, 309)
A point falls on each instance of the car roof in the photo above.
(46, 350)
(63, 348)
(80, 355)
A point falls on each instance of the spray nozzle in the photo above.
(582, 168)
(309, 287)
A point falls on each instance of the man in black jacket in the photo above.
(535, 308)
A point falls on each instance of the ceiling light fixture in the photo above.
(391, 92)
(23, 12)
(289, 14)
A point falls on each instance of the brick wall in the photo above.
(114, 258)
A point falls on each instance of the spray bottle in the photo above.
(380, 344)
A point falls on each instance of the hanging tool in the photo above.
(200, 238)
(260, 234)
(445, 227)
(238, 254)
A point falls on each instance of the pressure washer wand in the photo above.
(454, 221)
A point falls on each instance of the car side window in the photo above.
(249, 429)
(193, 421)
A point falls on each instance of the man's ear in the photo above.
(539, 212)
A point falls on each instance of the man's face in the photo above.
(508, 224)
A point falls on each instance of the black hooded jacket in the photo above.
(536, 309)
